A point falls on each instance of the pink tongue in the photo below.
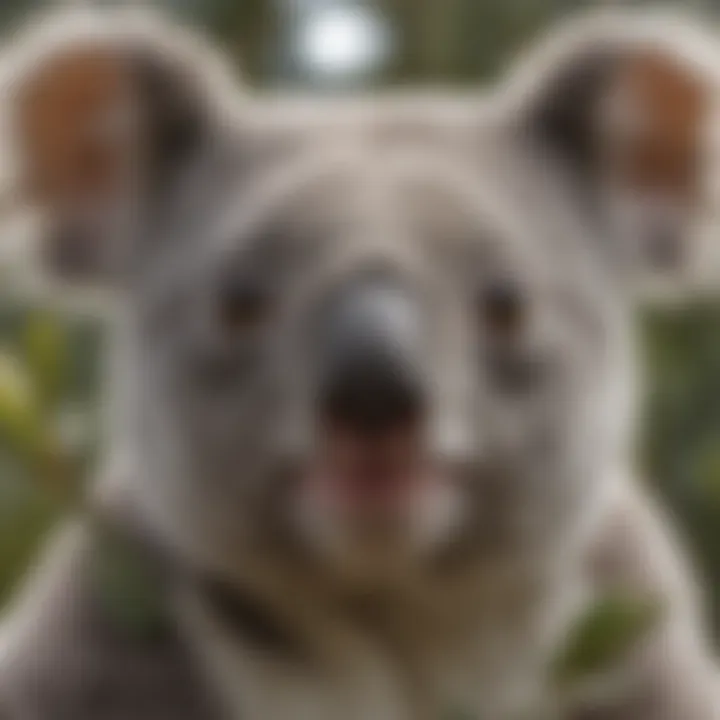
(370, 472)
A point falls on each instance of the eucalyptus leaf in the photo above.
(46, 352)
(21, 421)
(611, 629)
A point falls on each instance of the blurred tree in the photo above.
(464, 41)
(12, 10)
(248, 29)
(681, 428)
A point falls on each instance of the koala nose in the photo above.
(371, 379)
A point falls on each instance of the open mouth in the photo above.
(372, 476)
(372, 471)
(378, 493)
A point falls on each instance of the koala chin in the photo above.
(371, 390)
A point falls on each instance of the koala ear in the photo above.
(104, 107)
(626, 103)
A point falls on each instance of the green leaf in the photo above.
(46, 352)
(26, 431)
(706, 470)
(604, 636)
(21, 422)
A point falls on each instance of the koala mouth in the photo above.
(370, 473)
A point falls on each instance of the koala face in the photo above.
(366, 350)
(360, 339)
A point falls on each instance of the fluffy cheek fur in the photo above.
(549, 455)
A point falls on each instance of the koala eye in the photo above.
(502, 308)
(243, 304)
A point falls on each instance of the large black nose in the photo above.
(371, 376)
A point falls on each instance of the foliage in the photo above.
(604, 636)
(681, 443)
(47, 379)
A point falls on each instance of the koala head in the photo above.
(366, 339)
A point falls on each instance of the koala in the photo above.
(372, 397)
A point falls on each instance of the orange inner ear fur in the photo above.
(67, 111)
(671, 104)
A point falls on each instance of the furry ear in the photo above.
(104, 106)
(626, 102)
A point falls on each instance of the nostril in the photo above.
(371, 395)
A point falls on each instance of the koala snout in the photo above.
(371, 352)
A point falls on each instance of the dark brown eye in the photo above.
(243, 305)
(502, 308)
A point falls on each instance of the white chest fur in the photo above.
(481, 662)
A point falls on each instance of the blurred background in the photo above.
(51, 360)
